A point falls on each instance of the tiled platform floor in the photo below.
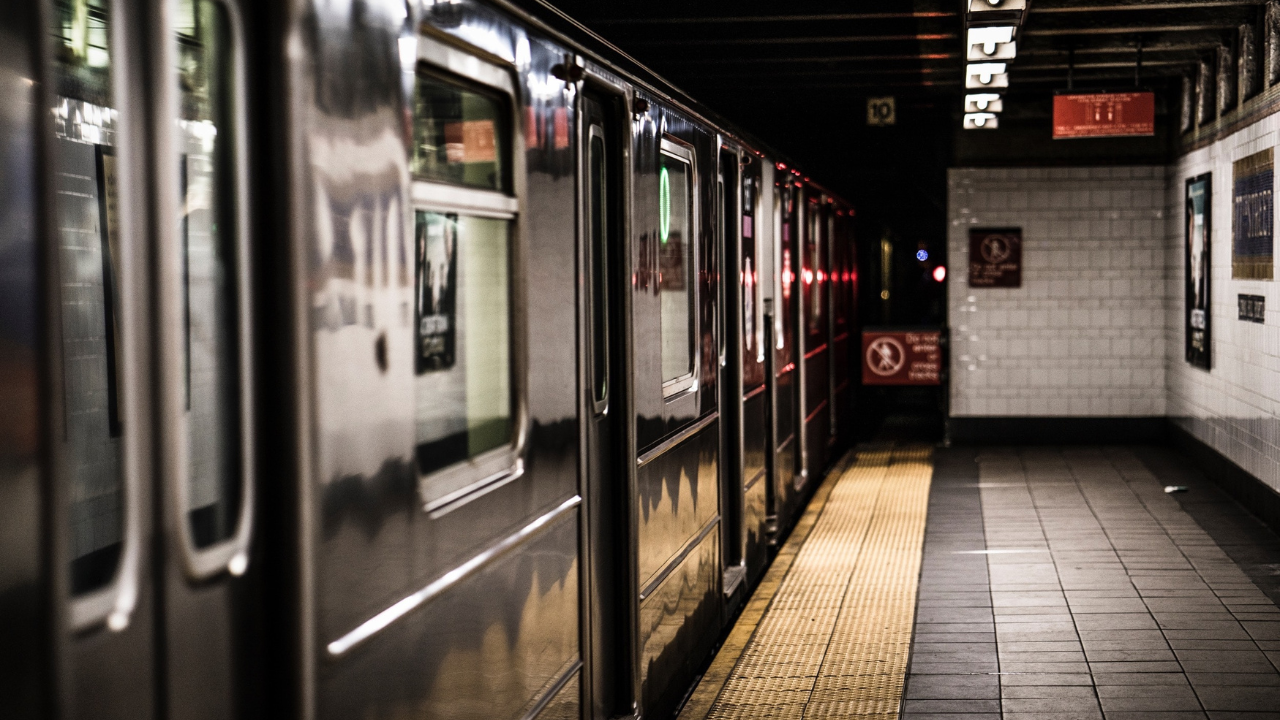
(1064, 583)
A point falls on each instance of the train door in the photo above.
(751, 349)
(787, 479)
(146, 210)
(816, 382)
(610, 621)
(204, 407)
(729, 305)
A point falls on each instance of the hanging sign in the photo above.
(995, 257)
(901, 357)
(1094, 115)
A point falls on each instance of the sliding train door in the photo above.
(144, 342)
(751, 386)
(787, 479)
(732, 507)
(205, 368)
(609, 586)
(812, 323)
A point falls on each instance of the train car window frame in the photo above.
(687, 382)
(77, 119)
(442, 489)
(231, 553)
(597, 227)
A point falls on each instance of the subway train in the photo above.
(367, 359)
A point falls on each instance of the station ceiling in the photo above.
(798, 75)
(717, 49)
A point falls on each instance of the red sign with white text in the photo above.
(1086, 115)
(901, 357)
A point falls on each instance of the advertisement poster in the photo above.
(1197, 270)
(995, 257)
(1252, 216)
(901, 357)
(435, 300)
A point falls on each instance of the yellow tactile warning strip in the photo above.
(828, 631)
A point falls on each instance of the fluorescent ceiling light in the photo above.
(990, 38)
(983, 102)
(981, 121)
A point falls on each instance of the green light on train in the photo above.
(664, 205)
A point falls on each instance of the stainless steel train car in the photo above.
(384, 359)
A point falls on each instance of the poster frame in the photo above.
(1198, 358)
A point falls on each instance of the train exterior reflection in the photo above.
(446, 363)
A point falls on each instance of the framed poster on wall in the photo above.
(1252, 216)
(1196, 269)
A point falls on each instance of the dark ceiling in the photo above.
(798, 74)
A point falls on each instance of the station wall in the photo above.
(1233, 406)
(1084, 336)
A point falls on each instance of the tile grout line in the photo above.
(1093, 680)
(1128, 575)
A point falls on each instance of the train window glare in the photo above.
(815, 268)
(462, 314)
(676, 278)
(459, 135)
(87, 235)
(208, 235)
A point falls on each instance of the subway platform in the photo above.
(1043, 583)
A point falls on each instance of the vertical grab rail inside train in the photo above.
(231, 554)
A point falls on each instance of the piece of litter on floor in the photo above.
(1175, 488)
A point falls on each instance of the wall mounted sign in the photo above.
(1252, 216)
(1252, 308)
(1094, 115)
(881, 111)
(901, 357)
(995, 257)
(1196, 257)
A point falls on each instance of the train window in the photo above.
(677, 278)
(208, 239)
(815, 268)
(597, 225)
(87, 234)
(750, 269)
(463, 356)
(466, 387)
(459, 135)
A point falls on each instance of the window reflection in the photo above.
(463, 337)
(208, 235)
(87, 235)
(459, 135)
(676, 278)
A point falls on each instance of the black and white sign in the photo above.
(1252, 308)
(881, 111)
(1196, 257)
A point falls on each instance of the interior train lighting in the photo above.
(940, 273)
(664, 205)
(981, 121)
(983, 102)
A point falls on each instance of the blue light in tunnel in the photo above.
(922, 254)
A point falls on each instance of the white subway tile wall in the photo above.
(1085, 335)
(1232, 407)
